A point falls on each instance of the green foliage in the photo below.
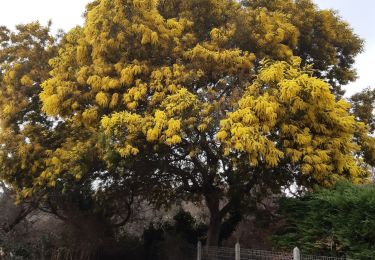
(336, 222)
(363, 104)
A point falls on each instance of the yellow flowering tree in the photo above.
(44, 159)
(175, 100)
(25, 133)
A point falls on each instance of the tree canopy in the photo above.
(31, 140)
(215, 100)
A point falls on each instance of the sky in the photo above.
(360, 14)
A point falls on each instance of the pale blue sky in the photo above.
(66, 14)
(360, 14)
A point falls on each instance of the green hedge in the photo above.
(335, 222)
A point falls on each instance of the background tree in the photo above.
(363, 104)
(363, 109)
(178, 98)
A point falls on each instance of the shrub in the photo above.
(338, 221)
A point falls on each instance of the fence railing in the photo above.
(238, 253)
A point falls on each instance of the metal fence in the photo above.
(237, 253)
(219, 253)
(312, 257)
(223, 253)
(264, 255)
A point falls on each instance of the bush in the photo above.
(336, 222)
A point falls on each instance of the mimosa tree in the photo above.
(204, 100)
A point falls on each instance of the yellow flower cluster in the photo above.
(288, 115)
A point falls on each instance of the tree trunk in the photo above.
(213, 233)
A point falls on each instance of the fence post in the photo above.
(199, 250)
(296, 254)
(237, 252)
